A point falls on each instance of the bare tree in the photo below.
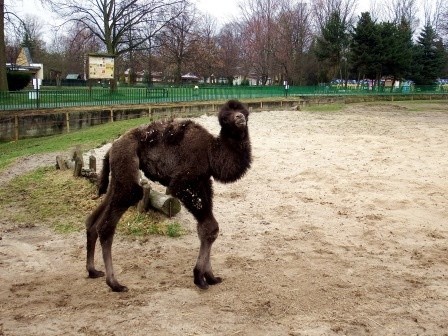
(323, 9)
(230, 53)
(436, 15)
(177, 41)
(112, 20)
(3, 78)
(295, 35)
(206, 50)
(399, 10)
(259, 28)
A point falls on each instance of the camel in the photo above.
(183, 156)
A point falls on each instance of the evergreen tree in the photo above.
(332, 45)
(429, 57)
(383, 49)
(396, 53)
(364, 42)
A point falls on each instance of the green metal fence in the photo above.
(50, 97)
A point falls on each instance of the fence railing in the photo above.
(52, 97)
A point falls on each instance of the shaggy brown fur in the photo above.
(182, 156)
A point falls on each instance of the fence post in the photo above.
(16, 127)
(111, 115)
(67, 121)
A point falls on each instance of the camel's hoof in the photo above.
(204, 280)
(119, 288)
(116, 287)
(201, 285)
(211, 280)
(95, 274)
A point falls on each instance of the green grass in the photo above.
(87, 138)
(57, 199)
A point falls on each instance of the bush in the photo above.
(17, 80)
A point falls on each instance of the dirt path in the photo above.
(340, 228)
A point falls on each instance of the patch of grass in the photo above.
(151, 223)
(87, 138)
(174, 230)
(57, 199)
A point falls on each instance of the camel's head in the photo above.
(233, 116)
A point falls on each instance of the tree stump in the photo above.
(61, 162)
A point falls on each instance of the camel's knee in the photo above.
(208, 233)
(213, 235)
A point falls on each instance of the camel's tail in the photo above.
(103, 180)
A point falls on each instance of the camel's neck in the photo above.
(230, 157)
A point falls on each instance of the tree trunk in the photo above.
(3, 78)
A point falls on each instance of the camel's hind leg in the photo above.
(92, 236)
(106, 231)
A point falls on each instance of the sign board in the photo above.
(101, 67)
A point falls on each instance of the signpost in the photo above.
(100, 67)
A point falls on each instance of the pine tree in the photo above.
(331, 47)
(363, 53)
(429, 57)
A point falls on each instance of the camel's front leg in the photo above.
(208, 230)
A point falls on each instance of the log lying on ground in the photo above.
(167, 204)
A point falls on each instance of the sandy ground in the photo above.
(339, 228)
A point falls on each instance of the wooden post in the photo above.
(77, 157)
(16, 127)
(78, 167)
(67, 121)
(92, 163)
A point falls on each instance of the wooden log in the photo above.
(89, 174)
(167, 204)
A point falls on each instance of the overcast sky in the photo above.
(222, 10)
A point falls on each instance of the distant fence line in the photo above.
(161, 103)
(54, 97)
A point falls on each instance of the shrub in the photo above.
(17, 80)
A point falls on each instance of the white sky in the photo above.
(223, 10)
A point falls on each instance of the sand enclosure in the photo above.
(340, 227)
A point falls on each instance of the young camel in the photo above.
(182, 156)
